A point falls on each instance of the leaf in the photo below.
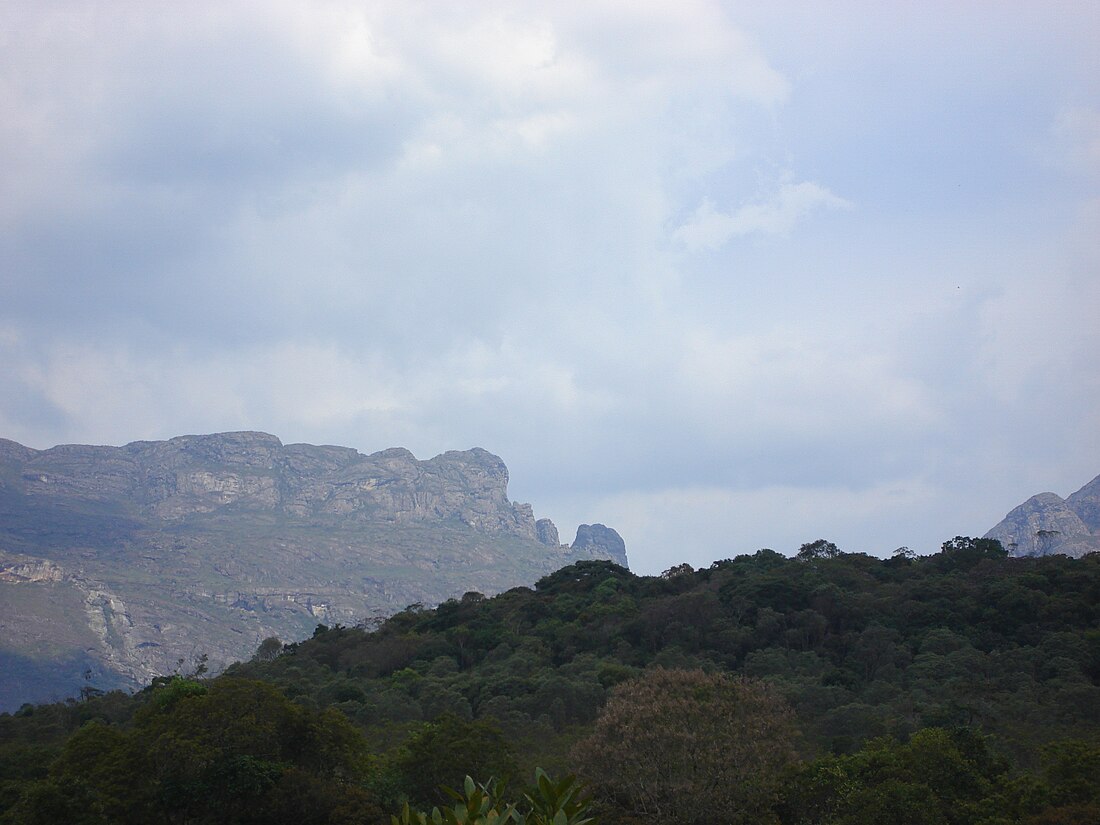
(452, 793)
(546, 788)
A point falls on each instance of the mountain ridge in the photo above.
(129, 562)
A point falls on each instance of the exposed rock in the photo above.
(1086, 504)
(13, 451)
(1046, 524)
(138, 558)
(23, 569)
(547, 532)
(597, 537)
(194, 474)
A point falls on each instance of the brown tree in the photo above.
(688, 746)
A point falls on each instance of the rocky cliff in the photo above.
(601, 540)
(1046, 523)
(118, 564)
(175, 479)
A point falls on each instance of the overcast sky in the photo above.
(722, 276)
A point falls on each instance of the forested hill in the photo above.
(980, 665)
(861, 646)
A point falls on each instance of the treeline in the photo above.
(962, 687)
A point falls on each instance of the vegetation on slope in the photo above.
(962, 687)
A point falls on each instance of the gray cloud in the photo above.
(481, 224)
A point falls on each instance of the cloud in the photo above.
(443, 226)
(710, 229)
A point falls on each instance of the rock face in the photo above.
(1046, 524)
(547, 533)
(596, 538)
(130, 562)
(174, 479)
(1086, 504)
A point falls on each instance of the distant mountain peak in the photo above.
(1046, 523)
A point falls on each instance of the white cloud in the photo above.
(788, 383)
(440, 225)
(711, 229)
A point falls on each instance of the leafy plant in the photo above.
(556, 803)
(551, 803)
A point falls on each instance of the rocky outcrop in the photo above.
(1086, 504)
(23, 569)
(148, 556)
(547, 533)
(105, 615)
(601, 539)
(191, 475)
(1046, 523)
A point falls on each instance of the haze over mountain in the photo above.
(118, 564)
(1046, 523)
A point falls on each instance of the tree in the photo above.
(236, 752)
(671, 736)
(1072, 769)
(269, 649)
(963, 553)
(443, 751)
(938, 777)
(820, 549)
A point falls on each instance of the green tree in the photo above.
(269, 649)
(963, 553)
(671, 736)
(938, 777)
(236, 752)
(442, 752)
(820, 549)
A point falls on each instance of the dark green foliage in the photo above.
(820, 549)
(439, 754)
(235, 751)
(1072, 772)
(546, 803)
(944, 777)
(860, 647)
(868, 653)
(962, 553)
(670, 735)
(938, 777)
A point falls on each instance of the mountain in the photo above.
(1046, 523)
(118, 564)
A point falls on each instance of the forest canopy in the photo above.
(960, 687)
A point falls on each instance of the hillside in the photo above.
(959, 688)
(118, 564)
(862, 647)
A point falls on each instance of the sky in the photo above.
(722, 276)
